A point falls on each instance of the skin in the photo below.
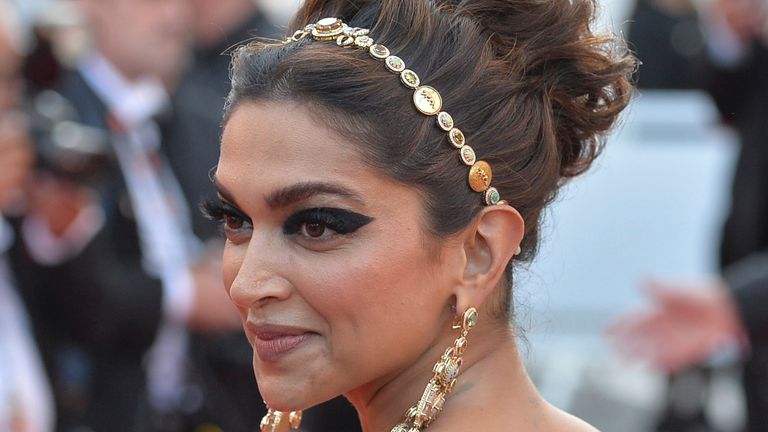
(685, 324)
(141, 37)
(375, 304)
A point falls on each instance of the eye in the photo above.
(314, 229)
(319, 224)
(231, 219)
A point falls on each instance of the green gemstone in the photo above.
(409, 78)
(492, 196)
(470, 319)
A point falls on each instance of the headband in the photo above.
(426, 99)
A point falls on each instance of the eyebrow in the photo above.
(295, 193)
(303, 191)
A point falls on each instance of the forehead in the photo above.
(272, 145)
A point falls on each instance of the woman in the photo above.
(365, 235)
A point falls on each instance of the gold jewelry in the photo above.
(445, 373)
(275, 421)
(426, 99)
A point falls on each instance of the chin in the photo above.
(284, 392)
(280, 392)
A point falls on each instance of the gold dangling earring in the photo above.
(275, 421)
(445, 373)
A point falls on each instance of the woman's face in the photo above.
(327, 260)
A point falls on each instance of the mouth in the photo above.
(273, 342)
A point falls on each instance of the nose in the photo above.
(257, 277)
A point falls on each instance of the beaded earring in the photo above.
(443, 380)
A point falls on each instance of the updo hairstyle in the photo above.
(532, 87)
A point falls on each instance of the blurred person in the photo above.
(689, 321)
(26, 403)
(123, 275)
(665, 36)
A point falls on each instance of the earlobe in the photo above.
(490, 242)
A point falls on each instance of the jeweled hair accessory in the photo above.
(426, 99)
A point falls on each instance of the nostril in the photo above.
(252, 291)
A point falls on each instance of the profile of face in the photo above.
(142, 36)
(338, 284)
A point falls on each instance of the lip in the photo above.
(273, 342)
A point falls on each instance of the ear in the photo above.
(489, 243)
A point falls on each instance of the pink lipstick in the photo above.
(273, 342)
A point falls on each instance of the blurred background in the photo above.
(645, 310)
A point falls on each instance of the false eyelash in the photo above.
(217, 210)
(338, 220)
(213, 209)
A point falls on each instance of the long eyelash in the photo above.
(216, 210)
(213, 209)
(341, 221)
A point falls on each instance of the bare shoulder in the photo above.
(545, 418)
(561, 421)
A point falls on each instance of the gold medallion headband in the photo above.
(426, 99)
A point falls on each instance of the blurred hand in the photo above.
(746, 18)
(213, 311)
(686, 324)
(16, 158)
(56, 201)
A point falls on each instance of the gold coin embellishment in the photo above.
(328, 29)
(468, 156)
(395, 64)
(345, 41)
(363, 41)
(379, 52)
(456, 137)
(492, 196)
(410, 79)
(502, 202)
(480, 176)
(427, 100)
(445, 121)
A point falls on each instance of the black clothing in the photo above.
(95, 315)
(742, 97)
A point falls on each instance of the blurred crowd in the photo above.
(113, 316)
(721, 47)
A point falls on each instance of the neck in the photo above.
(491, 370)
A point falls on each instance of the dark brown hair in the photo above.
(527, 81)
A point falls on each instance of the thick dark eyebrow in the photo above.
(303, 191)
(294, 193)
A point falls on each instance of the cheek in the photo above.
(375, 292)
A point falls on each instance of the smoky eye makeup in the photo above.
(223, 213)
(338, 220)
